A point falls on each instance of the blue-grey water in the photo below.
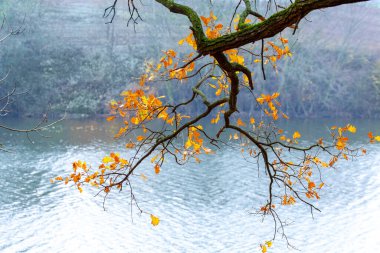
(203, 207)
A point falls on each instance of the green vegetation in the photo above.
(69, 60)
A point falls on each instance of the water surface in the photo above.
(203, 207)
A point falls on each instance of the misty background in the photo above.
(68, 59)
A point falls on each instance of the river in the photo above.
(203, 207)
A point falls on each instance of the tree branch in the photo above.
(268, 28)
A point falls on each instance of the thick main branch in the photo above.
(269, 27)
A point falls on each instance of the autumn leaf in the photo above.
(107, 159)
(205, 20)
(351, 128)
(181, 42)
(154, 220)
(135, 120)
(219, 26)
(140, 138)
(284, 116)
(130, 145)
(296, 135)
(311, 185)
(240, 123)
(283, 40)
(269, 243)
(110, 118)
(157, 169)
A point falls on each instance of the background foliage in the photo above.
(69, 60)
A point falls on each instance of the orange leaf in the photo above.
(205, 20)
(110, 118)
(157, 169)
(219, 26)
(240, 122)
(130, 145)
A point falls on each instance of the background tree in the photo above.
(222, 60)
(97, 61)
(8, 95)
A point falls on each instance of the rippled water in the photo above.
(203, 207)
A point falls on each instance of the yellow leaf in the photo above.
(377, 138)
(236, 136)
(351, 128)
(135, 120)
(269, 243)
(181, 42)
(213, 16)
(154, 158)
(263, 248)
(188, 144)
(155, 220)
(212, 85)
(296, 135)
(252, 120)
(284, 116)
(113, 103)
(107, 159)
(275, 95)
